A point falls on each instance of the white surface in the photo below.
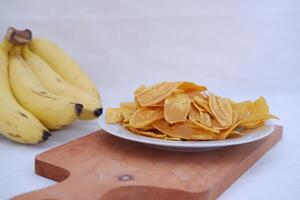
(237, 48)
(120, 131)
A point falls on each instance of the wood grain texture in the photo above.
(101, 166)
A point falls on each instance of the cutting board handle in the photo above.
(70, 189)
(80, 188)
(73, 191)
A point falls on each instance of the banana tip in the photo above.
(78, 108)
(98, 112)
(46, 135)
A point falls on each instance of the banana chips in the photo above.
(186, 111)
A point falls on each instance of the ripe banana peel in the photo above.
(55, 84)
(41, 89)
(52, 110)
(16, 123)
(63, 64)
(20, 127)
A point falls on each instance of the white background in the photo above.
(241, 49)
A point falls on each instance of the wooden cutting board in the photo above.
(101, 166)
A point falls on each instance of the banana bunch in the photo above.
(41, 89)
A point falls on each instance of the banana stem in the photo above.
(16, 37)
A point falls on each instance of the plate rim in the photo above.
(182, 144)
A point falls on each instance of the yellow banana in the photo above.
(19, 127)
(16, 123)
(63, 64)
(52, 110)
(55, 84)
(4, 84)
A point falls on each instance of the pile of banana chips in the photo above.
(186, 111)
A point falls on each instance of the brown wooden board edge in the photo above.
(59, 174)
(248, 162)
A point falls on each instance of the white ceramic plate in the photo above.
(252, 135)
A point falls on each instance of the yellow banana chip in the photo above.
(147, 133)
(204, 136)
(257, 118)
(191, 86)
(113, 115)
(235, 117)
(225, 133)
(235, 134)
(253, 125)
(139, 90)
(200, 117)
(221, 108)
(128, 105)
(241, 108)
(203, 103)
(148, 127)
(145, 116)
(159, 104)
(126, 114)
(258, 112)
(176, 108)
(182, 111)
(261, 106)
(156, 93)
(217, 126)
(194, 93)
(172, 138)
(197, 106)
(137, 103)
(181, 130)
(193, 114)
(195, 124)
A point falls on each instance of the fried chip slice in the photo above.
(235, 134)
(203, 103)
(145, 116)
(254, 118)
(204, 136)
(156, 93)
(225, 133)
(137, 103)
(172, 138)
(235, 117)
(181, 130)
(177, 107)
(128, 105)
(221, 108)
(147, 133)
(148, 127)
(253, 125)
(259, 110)
(194, 93)
(126, 114)
(159, 104)
(261, 106)
(190, 86)
(113, 115)
(139, 90)
(241, 108)
(193, 114)
(196, 124)
(199, 116)
(217, 126)
(239, 121)
(186, 111)
(197, 106)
